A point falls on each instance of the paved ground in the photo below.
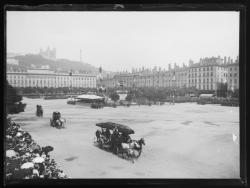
(182, 140)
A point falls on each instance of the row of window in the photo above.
(235, 74)
(49, 84)
(199, 81)
(200, 69)
(75, 79)
(231, 81)
(195, 75)
(231, 69)
(44, 82)
(211, 68)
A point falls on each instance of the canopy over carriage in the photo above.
(121, 128)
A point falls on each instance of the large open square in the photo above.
(184, 140)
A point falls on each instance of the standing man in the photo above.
(115, 140)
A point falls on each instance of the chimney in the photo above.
(228, 60)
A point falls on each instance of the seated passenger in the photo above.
(107, 134)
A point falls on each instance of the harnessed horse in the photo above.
(132, 149)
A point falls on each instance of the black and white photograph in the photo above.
(122, 94)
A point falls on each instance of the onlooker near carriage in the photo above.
(114, 140)
(108, 134)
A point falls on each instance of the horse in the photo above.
(132, 149)
(60, 123)
(63, 122)
(140, 143)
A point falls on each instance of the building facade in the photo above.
(45, 78)
(11, 61)
(48, 53)
(233, 76)
(207, 74)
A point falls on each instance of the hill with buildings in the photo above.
(59, 65)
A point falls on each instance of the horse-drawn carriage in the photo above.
(116, 138)
(57, 121)
(39, 111)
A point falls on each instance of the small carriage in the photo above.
(39, 111)
(57, 121)
(116, 138)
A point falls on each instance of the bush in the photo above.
(13, 100)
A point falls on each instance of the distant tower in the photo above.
(48, 53)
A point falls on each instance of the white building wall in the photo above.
(18, 79)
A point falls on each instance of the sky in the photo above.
(119, 41)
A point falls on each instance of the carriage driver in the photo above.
(126, 138)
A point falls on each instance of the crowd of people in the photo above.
(25, 159)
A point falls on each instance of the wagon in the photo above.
(116, 138)
(39, 111)
(57, 121)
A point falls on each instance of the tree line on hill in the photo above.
(60, 65)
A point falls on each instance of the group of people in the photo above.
(113, 137)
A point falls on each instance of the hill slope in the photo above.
(61, 65)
